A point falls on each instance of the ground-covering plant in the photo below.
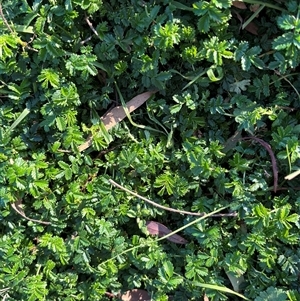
(220, 132)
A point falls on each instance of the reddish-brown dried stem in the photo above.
(273, 159)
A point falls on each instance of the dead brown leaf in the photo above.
(239, 4)
(17, 207)
(252, 28)
(156, 228)
(292, 175)
(112, 117)
(136, 295)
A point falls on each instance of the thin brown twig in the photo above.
(110, 295)
(16, 206)
(105, 151)
(30, 41)
(233, 214)
(91, 26)
(4, 19)
(273, 159)
(285, 188)
(284, 77)
(286, 108)
(86, 40)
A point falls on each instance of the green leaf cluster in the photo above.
(66, 233)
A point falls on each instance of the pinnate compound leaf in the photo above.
(49, 77)
(223, 3)
(248, 56)
(288, 22)
(285, 41)
(156, 228)
(167, 183)
(241, 50)
(168, 268)
(239, 86)
(204, 23)
(200, 8)
(7, 42)
(166, 275)
(272, 294)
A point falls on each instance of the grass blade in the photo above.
(223, 289)
(18, 120)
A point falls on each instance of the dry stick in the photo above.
(86, 40)
(91, 26)
(4, 19)
(168, 208)
(110, 295)
(16, 207)
(30, 41)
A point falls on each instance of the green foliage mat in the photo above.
(221, 131)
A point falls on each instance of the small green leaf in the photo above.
(49, 76)
(272, 293)
(288, 22)
(169, 268)
(239, 86)
(204, 23)
(283, 42)
(60, 123)
(63, 165)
